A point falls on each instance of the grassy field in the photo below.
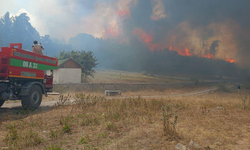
(152, 92)
(113, 76)
(218, 120)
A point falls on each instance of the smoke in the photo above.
(158, 10)
(211, 29)
(214, 30)
(214, 46)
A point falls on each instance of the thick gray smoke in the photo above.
(212, 33)
(214, 46)
(217, 27)
(205, 36)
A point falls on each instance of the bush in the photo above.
(66, 128)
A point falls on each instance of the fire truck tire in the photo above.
(1, 103)
(34, 98)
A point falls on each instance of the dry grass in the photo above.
(152, 92)
(113, 76)
(96, 123)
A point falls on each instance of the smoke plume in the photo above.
(135, 33)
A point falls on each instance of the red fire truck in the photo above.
(25, 76)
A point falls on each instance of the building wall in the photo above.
(67, 75)
(56, 77)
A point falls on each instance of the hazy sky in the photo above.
(67, 18)
(64, 18)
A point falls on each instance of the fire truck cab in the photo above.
(23, 76)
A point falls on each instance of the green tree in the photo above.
(6, 29)
(24, 32)
(86, 59)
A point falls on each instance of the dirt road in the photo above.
(46, 104)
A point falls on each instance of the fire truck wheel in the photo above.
(1, 102)
(34, 99)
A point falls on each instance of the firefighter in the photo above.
(37, 48)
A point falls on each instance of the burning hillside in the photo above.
(182, 50)
(160, 27)
(178, 35)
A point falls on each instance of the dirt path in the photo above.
(53, 102)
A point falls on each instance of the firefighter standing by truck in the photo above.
(37, 48)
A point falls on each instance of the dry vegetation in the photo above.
(152, 92)
(219, 120)
(112, 76)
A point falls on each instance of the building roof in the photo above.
(62, 61)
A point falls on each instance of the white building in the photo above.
(69, 71)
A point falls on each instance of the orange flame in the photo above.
(182, 52)
(148, 39)
(122, 13)
(171, 48)
(110, 32)
(209, 56)
(145, 38)
(231, 60)
(187, 52)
